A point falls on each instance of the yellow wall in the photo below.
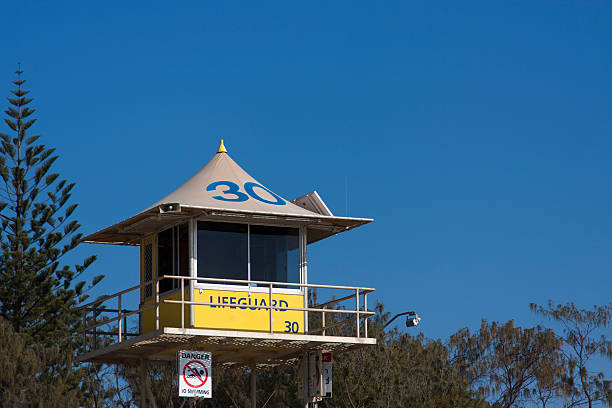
(169, 314)
(245, 315)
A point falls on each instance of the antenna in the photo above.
(346, 195)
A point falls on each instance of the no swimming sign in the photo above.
(194, 371)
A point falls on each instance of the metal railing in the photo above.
(98, 307)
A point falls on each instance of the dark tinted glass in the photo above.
(275, 254)
(164, 258)
(172, 256)
(222, 250)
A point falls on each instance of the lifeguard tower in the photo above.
(223, 269)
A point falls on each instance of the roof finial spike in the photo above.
(222, 148)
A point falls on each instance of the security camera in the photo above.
(412, 321)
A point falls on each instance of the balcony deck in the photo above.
(237, 345)
(228, 347)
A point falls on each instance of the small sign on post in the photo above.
(194, 371)
(302, 373)
(327, 374)
(315, 376)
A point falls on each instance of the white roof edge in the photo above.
(314, 216)
(151, 211)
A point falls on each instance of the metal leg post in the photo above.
(357, 309)
(323, 322)
(119, 316)
(182, 303)
(156, 305)
(365, 308)
(253, 387)
(143, 384)
(306, 380)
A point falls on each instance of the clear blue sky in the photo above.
(477, 135)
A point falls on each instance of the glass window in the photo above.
(165, 258)
(222, 250)
(172, 256)
(275, 254)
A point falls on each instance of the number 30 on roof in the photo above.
(233, 192)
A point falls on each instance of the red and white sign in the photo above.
(327, 374)
(194, 369)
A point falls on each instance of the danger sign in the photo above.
(194, 374)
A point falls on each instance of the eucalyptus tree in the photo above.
(585, 336)
(503, 362)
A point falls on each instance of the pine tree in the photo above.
(38, 292)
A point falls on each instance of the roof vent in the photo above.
(312, 202)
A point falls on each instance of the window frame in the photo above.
(174, 259)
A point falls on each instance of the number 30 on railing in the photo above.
(233, 192)
(291, 327)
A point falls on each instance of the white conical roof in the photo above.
(222, 190)
(223, 184)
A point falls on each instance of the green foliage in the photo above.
(400, 371)
(21, 381)
(276, 387)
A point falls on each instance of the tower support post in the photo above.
(253, 387)
(143, 384)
